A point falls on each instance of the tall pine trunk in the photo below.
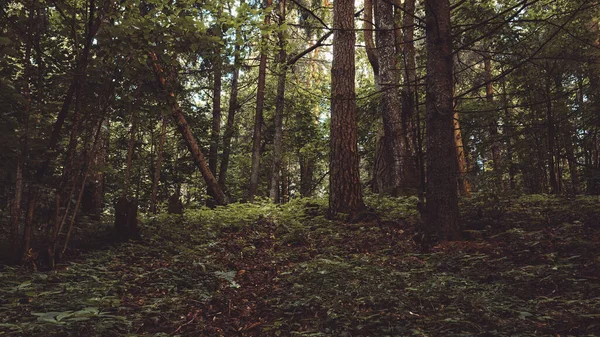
(441, 223)
(345, 194)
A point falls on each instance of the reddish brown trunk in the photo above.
(464, 187)
(344, 183)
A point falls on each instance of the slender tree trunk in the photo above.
(258, 117)
(279, 109)
(131, 147)
(214, 190)
(464, 187)
(442, 199)
(216, 114)
(157, 169)
(554, 185)
(233, 107)
(512, 169)
(23, 141)
(489, 95)
(368, 30)
(28, 228)
(344, 184)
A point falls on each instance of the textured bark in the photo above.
(258, 116)
(464, 187)
(214, 190)
(389, 80)
(409, 97)
(233, 107)
(442, 215)
(344, 183)
(274, 193)
(157, 169)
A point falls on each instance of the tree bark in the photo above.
(258, 117)
(464, 187)
(233, 107)
(442, 215)
(344, 184)
(409, 95)
(394, 139)
(274, 193)
(214, 190)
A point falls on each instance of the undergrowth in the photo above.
(530, 267)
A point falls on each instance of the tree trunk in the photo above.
(489, 95)
(368, 30)
(131, 146)
(279, 109)
(394, 140)
(216, 114)
(464, 187)
(409, 95)
(258, 117)
(344, 184)
(554, 185)
(233, 107)
(157, 169)
(442, 199)
(214, 190)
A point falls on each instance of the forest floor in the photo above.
(530, 266)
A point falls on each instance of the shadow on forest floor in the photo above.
(531, 267)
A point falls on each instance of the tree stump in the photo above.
(175, 205)
(126, 219)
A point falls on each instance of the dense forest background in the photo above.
(114, 108)
(300, 165)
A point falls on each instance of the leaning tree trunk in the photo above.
(214, 190)
(441, 223)
(258, 117)
(344, 180)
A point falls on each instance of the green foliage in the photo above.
(299, 274)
